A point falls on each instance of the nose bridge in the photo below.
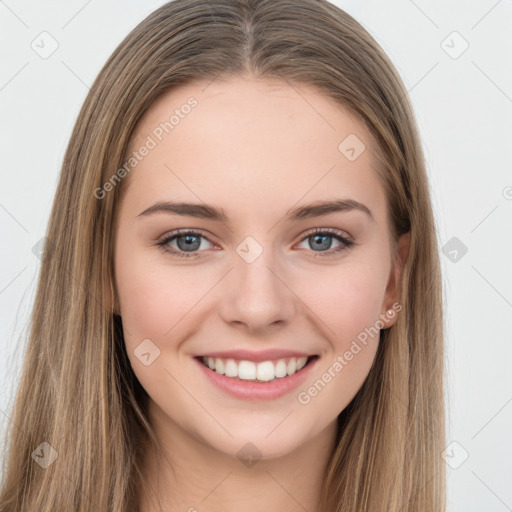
(257, 297)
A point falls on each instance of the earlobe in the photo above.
(392, 290)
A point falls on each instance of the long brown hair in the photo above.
(78, 392)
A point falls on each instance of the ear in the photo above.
(391, 296)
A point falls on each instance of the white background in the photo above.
(464, 110)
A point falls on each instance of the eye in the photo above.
(322, 239)
(188, 242)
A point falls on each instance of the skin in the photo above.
(254, 148)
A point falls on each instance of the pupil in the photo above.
(189, 242)
(320, 237)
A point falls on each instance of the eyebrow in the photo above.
(204, 211)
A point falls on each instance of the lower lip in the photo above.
(247, 390)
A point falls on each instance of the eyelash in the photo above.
(345, 242)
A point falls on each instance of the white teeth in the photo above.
(266, 371)
(248, 370)
(219, 366)
(301, 362)
(280, 369)
(231, 368)
(291, 366)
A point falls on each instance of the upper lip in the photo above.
(258, 356)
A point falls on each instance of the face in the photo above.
(258, 271)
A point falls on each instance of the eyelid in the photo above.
(184, 231)
(164, 241)
(205, 234)
(345, 239)
(172, 235)
(333, 231)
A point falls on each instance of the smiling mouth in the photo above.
(264, 371)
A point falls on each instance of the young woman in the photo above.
(239, 306)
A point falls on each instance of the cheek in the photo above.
(153, 299)
(348, 313)
(346, 300)
(148, 299)
(156, 304)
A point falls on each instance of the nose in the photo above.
(256, 296)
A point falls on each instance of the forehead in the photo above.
(244, 143)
